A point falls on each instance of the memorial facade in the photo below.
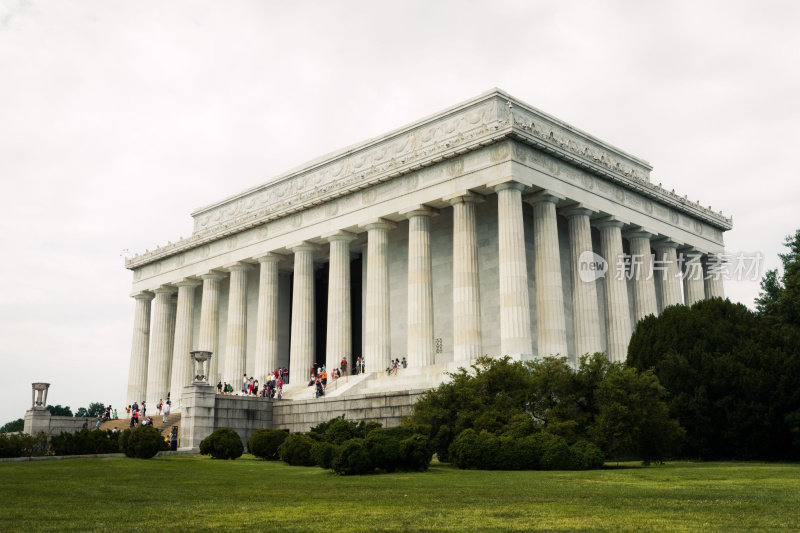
(488, 228)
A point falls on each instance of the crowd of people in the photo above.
(272, 388)
(138, 413)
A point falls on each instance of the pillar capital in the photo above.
(304, 246)
(610, 222)
(578, 210)
(665, 242)
(143, 295)
(639, 233)
(212, 275)
(188, 282)
(378, 223)
(503, 185)
(462, 197)
(340, 235)
(164, 289)
(544, 196)
(419, 211)
(269, 257)
(238, 267)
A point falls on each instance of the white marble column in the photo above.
(551, 324)
(209, 323)
(181, 363)
(669, 274)
(644, 285)
(585, 312)
(420, 288)
(467, 336)
(140, 349)
(618, 318)
(301, 349)
(158, 369)
(236, 331)
(712, 274)
(339, 341)
(266, 356)
(515, 311)
(377, 333)
(693, 283)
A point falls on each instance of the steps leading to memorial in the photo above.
(122, 424)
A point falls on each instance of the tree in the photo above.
(13, 426)
(731, 377)
(95, 410)
(512, 399)
(632, 418)
(779, 300)
(58, 410)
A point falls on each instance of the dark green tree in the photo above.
(95, 409)
(731, 377)
(779, 300)
(13, 426)
(515, 400)
(58, 410)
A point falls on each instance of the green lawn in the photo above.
(194, 493)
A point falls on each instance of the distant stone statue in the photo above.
(201, 362)
(39, 395)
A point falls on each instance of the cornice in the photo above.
(471, 125)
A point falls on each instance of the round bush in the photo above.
(264, 443)
(353, 459)
(557, 456)
(383, 449)
(324, 453)
(223, 443)
(586, 456)
(415, 453)
(296, 450)
(144, 442)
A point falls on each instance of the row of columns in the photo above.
(154, 361)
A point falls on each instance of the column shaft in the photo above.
(158, 369)
(140, 349)
(209, 324)
(301, 350)
(181, 363)
(377, 339)
(467, 337)
(644, 286)
(420, 289)
(669, 275)
(515, 312)
(618, 318)
(339, 328)
(693, 284)
(236, 331)
(266, 356)
(551, 326)
(585, 315)
(713, 277)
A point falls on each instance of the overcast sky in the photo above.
(117, 119)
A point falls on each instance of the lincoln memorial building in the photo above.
(488, 228)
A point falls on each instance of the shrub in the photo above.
(264, 443)
(441, 443)
(323, 453)
(586, 456)
(353, 459)
(223, 443)
(23, 445)
(383, 449)
(415, 453)
(144, 442)
(468, 448)
(296, 450)
(85, 442)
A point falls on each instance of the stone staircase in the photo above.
(174, 419)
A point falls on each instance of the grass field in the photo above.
(194, 493)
